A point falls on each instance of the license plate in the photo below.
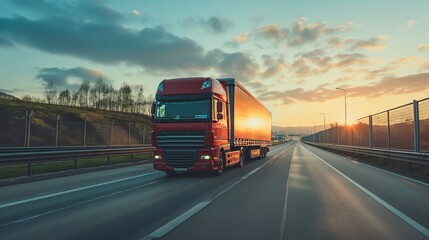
(181, 169)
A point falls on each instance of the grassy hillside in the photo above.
(70, 125)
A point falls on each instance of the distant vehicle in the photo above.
(206, 124)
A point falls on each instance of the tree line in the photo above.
(99, 95)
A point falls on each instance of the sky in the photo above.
(292, 55)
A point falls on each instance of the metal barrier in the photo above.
(62, 148)
(17, 158)
(409, 157)
(402, 129)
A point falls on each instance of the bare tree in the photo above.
(147, 104)
(140, 100)
(98, 89)
(75, 98)
(50, 93)
(126, 95)
(84, 93)
(64, 97)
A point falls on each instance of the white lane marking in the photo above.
(395, 174)
(27, 219)
(283, 223)
(74, 190)
(395, 211)
(163, 230)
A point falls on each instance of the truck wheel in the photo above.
(220, 165)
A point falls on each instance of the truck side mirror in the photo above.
(220, 116)
(219, 107)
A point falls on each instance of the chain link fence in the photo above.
(37, 128)
(402, 128)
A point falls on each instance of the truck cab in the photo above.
(192, 127)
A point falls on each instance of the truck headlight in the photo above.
(157, 157)
(206, 157)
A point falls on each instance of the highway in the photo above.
(297, 192)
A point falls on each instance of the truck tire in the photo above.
(221, 165)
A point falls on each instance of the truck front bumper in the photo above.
(200, 165)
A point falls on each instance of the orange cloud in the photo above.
(372, 44)
(423, 47)
(387, 86)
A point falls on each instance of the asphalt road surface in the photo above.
(297, 192)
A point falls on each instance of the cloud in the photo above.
(299, 33)
(239, 39)
(386, 87)
(86, 35)
(272, 32)
(337, 42)
(65, 77)
(303, 32)
(237, 64)
(372, 44)
(216, 25)
(5, 42)
(410, 23)
(316, 62)
(348, 59)
(393, 86)
(273, 66)
(423, 47)
(105, 43)
(94, 10)
(421, 63)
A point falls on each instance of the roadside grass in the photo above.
(41, 168)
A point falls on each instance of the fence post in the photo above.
(29, 128)
(144, 133)
(338, 134)
(416, 126)
(129, 132)
(84, 133)
(388, 129)
(370, 132)
(111, 132)
(25, 128)
(56, 131)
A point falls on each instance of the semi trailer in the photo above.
(207, 124)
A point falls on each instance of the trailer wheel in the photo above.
(220, 165)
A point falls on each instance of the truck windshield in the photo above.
(182, 111)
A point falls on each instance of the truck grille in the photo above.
(194, 139)
(179, 158)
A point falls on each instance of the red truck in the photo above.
(206, 124)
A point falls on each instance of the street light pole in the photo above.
(345, 112)
(324, 127)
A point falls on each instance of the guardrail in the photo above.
(62, 148)
(18, 158)
(405, 156)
